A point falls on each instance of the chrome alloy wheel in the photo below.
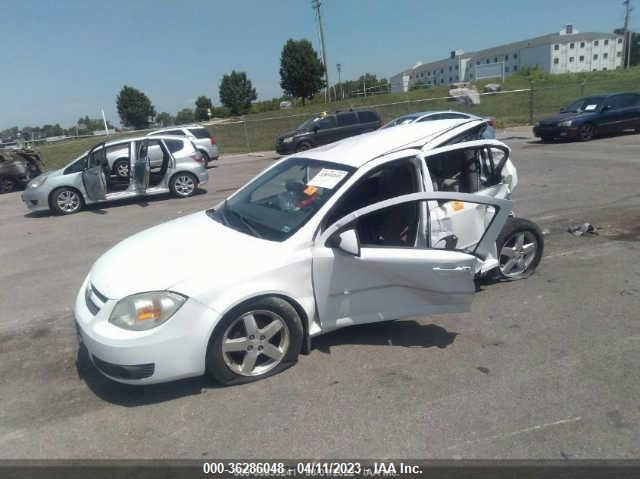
(184, 185)
(122, 169)
(255, 343)
(517, 253)
(68, 201)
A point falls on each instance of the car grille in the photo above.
(89, 295)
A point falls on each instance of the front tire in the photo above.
(586, 132)
(183, 184)
(66, 201)
(520, 245)
(7, 184)
(255, 340)
(303, 146)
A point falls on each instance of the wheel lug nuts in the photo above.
(249, 348)
(261, 338)
(260, 348)
(252, 337)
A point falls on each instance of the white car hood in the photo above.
(161, 257)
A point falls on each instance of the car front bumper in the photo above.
(285, 148)
(542, 131)
(174, 350)
(36, 199)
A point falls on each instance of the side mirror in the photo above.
(607, 107)
(315, 129)
(563, 110)
(346, 241)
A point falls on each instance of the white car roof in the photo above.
(358, 150)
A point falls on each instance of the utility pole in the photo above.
(627, 34)
(106, 129)
(339, 68)
(317, 4)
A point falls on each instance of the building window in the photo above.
(581, 44)
(456, 67)
(450, 79)
(441, 80)
(595, 56)
(570, 59)
(450, 67)
(571, 45)
(619, 40)
(605, 55)
(506, 57)
(506, 69)
(556, 47)
(488, 61)
(515, 68)
(470, 76)
(556, 61)
(606, 42)
(604, 69)
(581, 58)
(515, 55)
(495, 59)
(442, 70)
(596, 43)
(619, 54)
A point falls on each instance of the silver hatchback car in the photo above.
(200, 137)
(161, 164)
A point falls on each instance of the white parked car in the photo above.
(381, 226)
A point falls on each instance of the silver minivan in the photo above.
(162, 164)
(200, 137)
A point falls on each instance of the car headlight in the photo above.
(143, 311)
(38, 182)
(288, 139)
(565, 123)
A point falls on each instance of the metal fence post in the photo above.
(582, 85)
(246, 133)
(531, 102)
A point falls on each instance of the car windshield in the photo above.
(584, 104)
(401, 120)
(308, 124)
(281, 200)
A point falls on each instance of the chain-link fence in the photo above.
(509, 108)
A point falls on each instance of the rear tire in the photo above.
(66, 201)
(520, 245)
(121, 168)
(205, 157)
(183, 184)
(243, 350)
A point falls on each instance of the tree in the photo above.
(204, 105)
(300, 69)
(185, 116)
(134, 107)
(164, 119)
(237, 93)
(635, 47)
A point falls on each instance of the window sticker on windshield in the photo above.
(590, 107)
(327, 178)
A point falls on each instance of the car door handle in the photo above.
(457, 268)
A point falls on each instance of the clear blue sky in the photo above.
(63, 59)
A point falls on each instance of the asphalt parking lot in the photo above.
(546, 367)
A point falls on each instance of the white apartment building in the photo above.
(567, 51)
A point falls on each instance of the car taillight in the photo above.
(213, 140)
(197, 158)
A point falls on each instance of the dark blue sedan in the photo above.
(591, 116)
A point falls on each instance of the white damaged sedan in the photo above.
(386, 225)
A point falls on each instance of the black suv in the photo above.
(591, 116)
(326, 128)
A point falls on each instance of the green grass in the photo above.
(551, 92)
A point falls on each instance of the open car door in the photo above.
(93, 176)
(362, 276)
(479, 167)
(141, 167)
